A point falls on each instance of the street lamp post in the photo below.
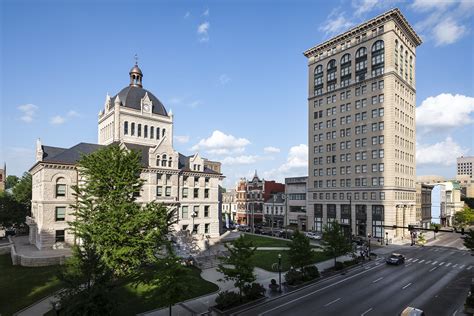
(386, 238)
(273, 211)
(368, 237)
(279, 272)
(285, 197)
(193, 215)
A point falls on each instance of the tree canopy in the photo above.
(464, 218)
(300, 251)
(335, 244)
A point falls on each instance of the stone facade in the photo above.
(362, 132)
(274, 210)
(423, 204)
(229, 205)
(450, 202)
(295, 191)
(139, 122)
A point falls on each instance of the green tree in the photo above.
(464, 218)
(22, 190)
(469, 239)
(11, 211)
(300, 253)
(239, 266)
(118, 237)
(335, 244)
(11, 181)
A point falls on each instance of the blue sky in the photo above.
(232, 72)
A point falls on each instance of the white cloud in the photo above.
(175, 100)
(427, 5)
(187, 14)
(447, 32)
(203, 31)
(362, 7)
(206, 12)
(271, 150)
(296, 164)
(57, 120)
(441, 153)
(72, 113)
(182, 139)
(224, 79)
(28, 112)
(335, 23)
(240, 160)
(220, 143)
(445, 111)
(195, 104)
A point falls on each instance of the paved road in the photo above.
(434, 278)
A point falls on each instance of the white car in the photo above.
(312, 235)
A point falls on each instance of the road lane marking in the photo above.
(408, 260)
(375, 281)
(454, 266)
(448, 264)
(416, 260)
(434, 262)
(332, 302)
(406, 286)
(427, 261)
(470, 267)
(421, 261)
(363, 314)
(318, 290)
(451, 252)
(441, 264)
(433, 269)
(462, 266)
(408, 264)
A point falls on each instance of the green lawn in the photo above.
(266, 258)
(22, 286)
(263, 241)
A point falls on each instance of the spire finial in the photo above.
(136, 59)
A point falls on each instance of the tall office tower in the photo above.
(361, 104)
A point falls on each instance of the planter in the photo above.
(235, 309)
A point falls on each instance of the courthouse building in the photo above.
(362, 133)
(137, 120)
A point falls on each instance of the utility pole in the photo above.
(273, 210)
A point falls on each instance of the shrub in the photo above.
(338, 266)
(349, 263)
(227, 299)
(310, 272)
(294, 277)
(254, 291)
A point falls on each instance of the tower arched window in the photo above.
(318, 80)
(158, 160)
(139, 130)
(378, 58)
(170, 163)
(145, 131)
(132, 132)
(406, 65)
(163, 132)
(164, 161)
(125, 128)
(345, 70)
(401, 61)
(411, 69)
(396, 55)
(331, 75)
(152, 132)
(157, 133)
(361, 64)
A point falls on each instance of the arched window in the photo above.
(164, 162)
(158, 160)
(132, 132)
(361, 52)
(331, 64)
(157, 133)
(318, 80)
(318, 70)
(345, 59)
(163, 132)
(139, 130)
(152, 132)
(396, 55)
(145, 131)
(125, 128)
(406, 65)
(401, 60)
(170, 164)
(331, 75)
(378, 45)
(60, 187)
(411, 69)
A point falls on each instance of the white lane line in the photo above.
(433, 269)
(462, 266)
(332, 302)
(427, 261)
(448, 264)
(408, 260)
(318, 290)
(406, 286)
(363, 314)
(434, 262)
(469, 268)
(451, 252)
(375, 281)
(421, 261)
(454, 266)
(408, 264)
(441, 264)
(416, 260)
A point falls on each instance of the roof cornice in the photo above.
(393, 14)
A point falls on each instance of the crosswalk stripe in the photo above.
(427, 261)
(408, 260)
(469, 268)
(448, 264)
(434, 262)
(421, 261)
(455, 265)
(441, 263)
(416, 260)
(462, 266)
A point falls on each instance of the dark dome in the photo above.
(136, 69)
(131, 97)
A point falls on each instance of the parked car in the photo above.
(10, 232)
(244, 228)
(313, 235)
(395, 258)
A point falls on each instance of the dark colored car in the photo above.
(395, 258)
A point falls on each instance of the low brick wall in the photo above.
(25, 261)
(4, 249)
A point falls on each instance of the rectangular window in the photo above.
(132, 132)
(381, 153)
(139, 130)
(381, 98)
(206, 193)
(206, 210)
(145, 131)
(60, 213)
(168, 191)
(60, 190)
(206, 228)
(196, 211)
(152, 132)
(184, 212)
(60, 235)
(125, 128)
(196, 193)
(159, 191)
(185, 192)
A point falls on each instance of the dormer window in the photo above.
(170, 164)
(164, 161)
(158, 160)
